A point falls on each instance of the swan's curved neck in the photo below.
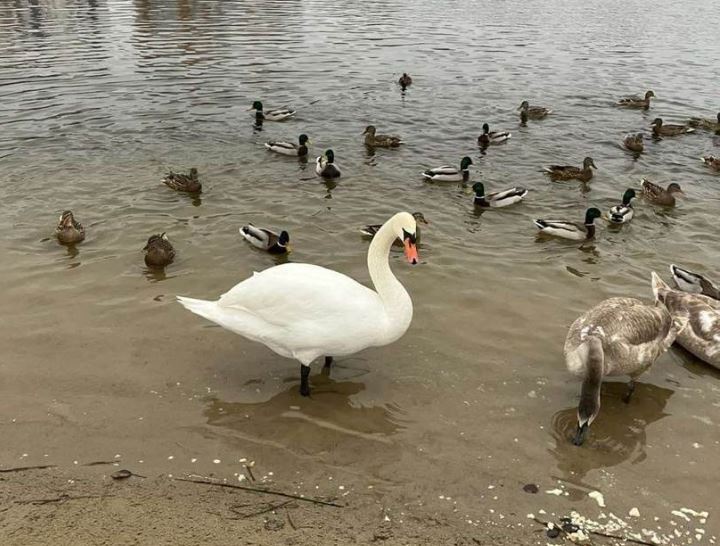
(395, 298)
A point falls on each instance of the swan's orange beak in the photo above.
(411, 252)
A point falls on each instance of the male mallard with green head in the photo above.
(373, 140)
(69, 231)
(712, 162)
(571, 230)
(660, 129)
(325, 165)
(290, 148)
(635, 101)
(623, 213)
(634, 143)
(707, 124)
(497, 199)
(569, 172)
(656, 194)
(447, 173)
(279, 114)
(183, 182)
(489, 137)
(264, 239)
(158, 251)
(532, 112)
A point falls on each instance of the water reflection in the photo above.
(617, 435)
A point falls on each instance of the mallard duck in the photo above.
(290, 148)
(659, 196)
(69, 231)
(634, 143)
(372, 229)
(659, 129)
(701, 336)
(183, 182)
(712, 162)
(495, 137)
(619, 336)
(707, 124)
(532, 112)
(279, 114)
(571, 230)
(694, 283)
(405, 81)
(636, 101)
(497, 199)
(158, 251)
(623, 213)
(325, 165)
(304, 311)
(380, 141)
(446, 173)
(568, 172)
(264, 239)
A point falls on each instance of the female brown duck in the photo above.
(569, 172)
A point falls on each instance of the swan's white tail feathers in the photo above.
(204, 308)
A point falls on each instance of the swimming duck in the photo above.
(532, 112)
(380, 141)
(264, 239)
(634, 143)
(619, 336)
(290, 148)
(623, 213)
(372, 229)
(694, 283)
(568, 172)
(659, 129)
(701, 336)
(636, 101)
(325, 165)
(571, 230)
(405, 81)
(69, 231)
(446, 173)
(707, 124)
(497, 199)
(495, 137)
(158, 251)
(304, 311)
(279, 114)
(712, 162)
(659, 196)
(183, 182)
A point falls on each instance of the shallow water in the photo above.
(99, 99)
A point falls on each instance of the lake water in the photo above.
(100, 98)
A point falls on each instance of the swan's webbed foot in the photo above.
(304, 380)
(630, 391)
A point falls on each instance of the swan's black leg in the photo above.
(304, 380)
(630, 391)
(328, 361)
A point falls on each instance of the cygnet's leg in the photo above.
(630, 391)
(304, 380)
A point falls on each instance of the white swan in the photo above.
(304, 311)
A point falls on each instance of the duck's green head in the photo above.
(303, 139)
(465, 163)
(486, 128)
(588, 162)
(479, 189)
(257, 105)
(330, 156)
(591, 214)
(628, 196)
(284, 238)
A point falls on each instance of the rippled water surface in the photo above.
(100, 98)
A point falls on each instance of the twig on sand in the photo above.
(250, 472)
(290, 520)
(597, 533)
(261, 490)
(61, 498)
(271, 507)
(23, 468)
(99, 463)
